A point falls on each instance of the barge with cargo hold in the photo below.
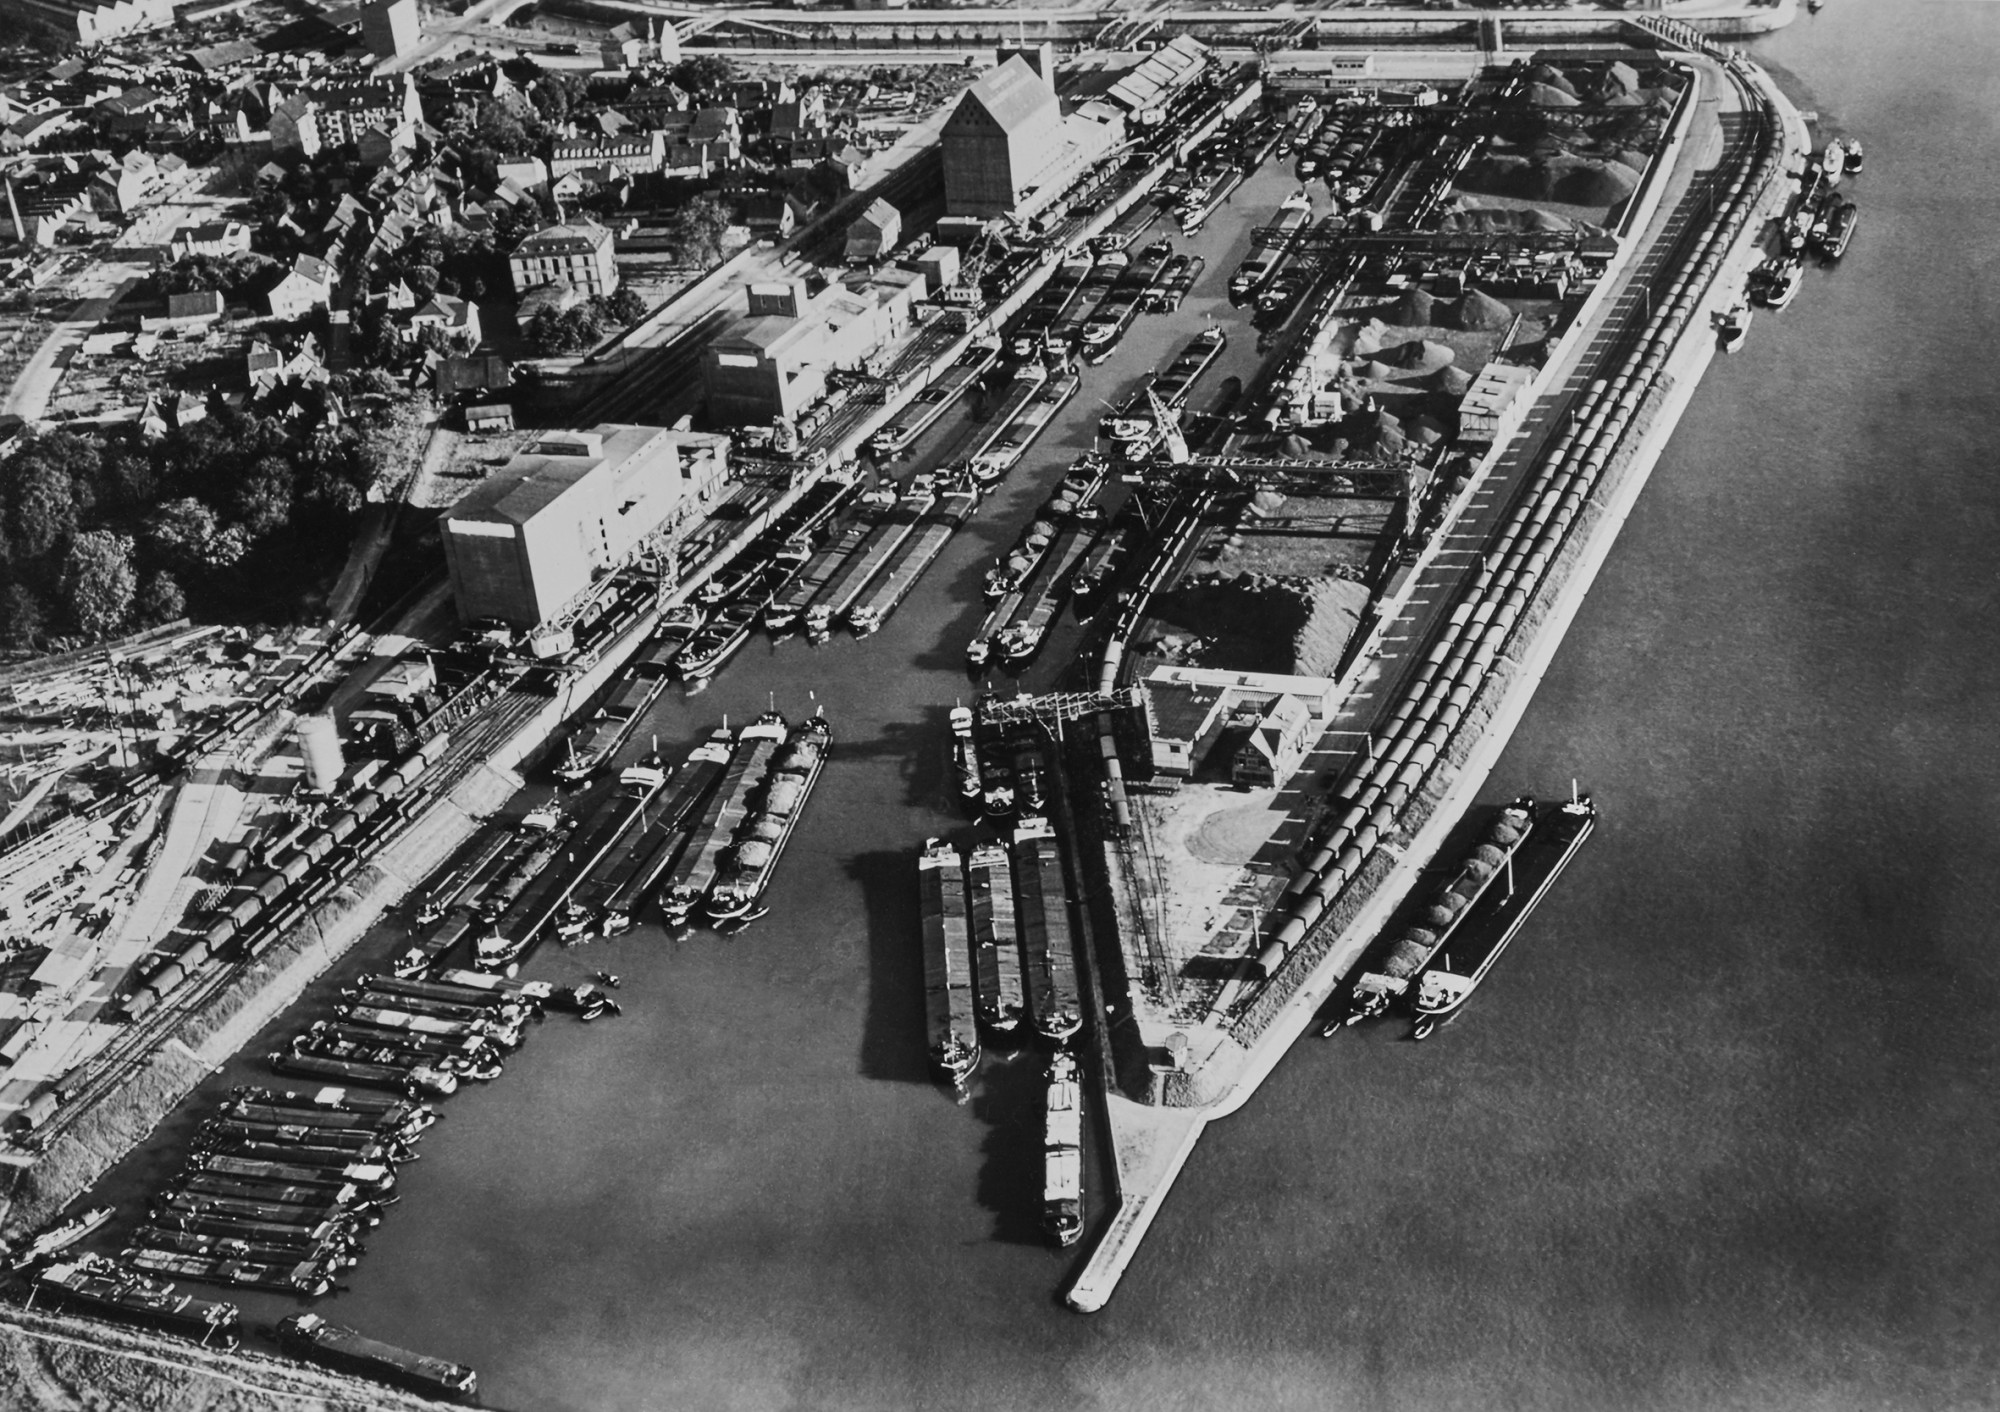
(948, 993)
(1560, 832)
(337, 1346)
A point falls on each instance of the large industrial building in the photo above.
(773, 365)
(1010, 149)
(530, 540)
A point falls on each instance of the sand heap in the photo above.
(1478, 310)
(1421, 355)
(1451, 381)
(1414, 309)
(1266, 622)
(1597, 184)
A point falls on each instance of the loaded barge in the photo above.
(1043, 907)
(310, 1336)
(649, 856)
(747, 868)
(854, 576)
(996, 940)
(948, 994)
(727, 808)
(1416, 944)
(916, 554)
(102, 1286)
(1561, 831)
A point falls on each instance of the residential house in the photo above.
(306, 286)
(186, 311)
(577, 252)
(213, 238)
(631, 152)
(459, 318)
(336, 112)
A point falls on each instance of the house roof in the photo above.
(1012, 95)
(199, 304)
(570, 238)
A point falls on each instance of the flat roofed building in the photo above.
(774, 364)
(579, 253)
(1273, 720)
(525, 544)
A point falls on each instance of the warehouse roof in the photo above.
(1012, 94)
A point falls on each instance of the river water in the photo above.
(1718, 1133)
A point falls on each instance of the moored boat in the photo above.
(1451, 978)
(340, 1347)
(103, 1286)
(1042, 907)
(696, 870)
(996, 941)
(747, 868)
(1418, 943)
(1062, 1152)
(57, 1239)
(953, 1031)
(1732, 326)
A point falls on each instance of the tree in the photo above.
(625, 307)
(183, 532)
(264, 500)
(22, 620)
(99, 582)
(229, 545)
(698, 228)
(160, 600)
(44, 506)
(705, 73)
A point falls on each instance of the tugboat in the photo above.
(1833, 161)
(1732, 326)
(1449, 983)
(954, 1035)
(741, 882)
(1062, 1153)
(1490, 859)
(1853, 157)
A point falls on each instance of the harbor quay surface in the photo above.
(1151, 1142)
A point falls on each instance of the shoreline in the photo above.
(1145, 1182)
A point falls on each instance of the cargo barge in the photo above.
(916, 554)
(785, 610)
(747, 868)
(1042, 905)
(597, 741)
(1449, 981)
(917, 417)
(336, 1346)
(650, 857)
(1064, 287)
(1062, 1152)
(1114, 316)
(699, 862)
(996, 941)
(870, 559)
(1418, 943)
(1042, 596)
(103, 1287)
(1004, 451)
(948, 994)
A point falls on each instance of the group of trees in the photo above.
(101, 535)
(581, 325)
(698, 227)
